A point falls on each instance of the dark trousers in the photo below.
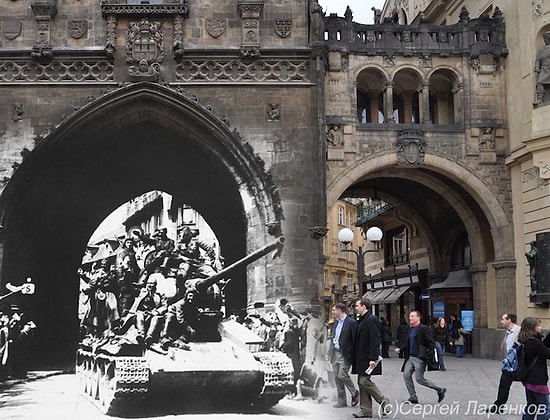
(503, 389)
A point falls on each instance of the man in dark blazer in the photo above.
(365, 355)
(340, 354)
(420, 337)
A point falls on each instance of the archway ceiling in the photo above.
(432, 206)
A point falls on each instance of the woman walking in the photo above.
(536, 381)
(441, 338)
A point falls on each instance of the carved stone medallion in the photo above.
(77, 28)
(215, 27)
(283, 27)
(145, 48)
(411, 147)
(12, 28)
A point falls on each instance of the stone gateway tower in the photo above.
(215, 102)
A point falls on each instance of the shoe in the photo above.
(441, 395)
(443, 369)
(384, 409)
(361, 415)
(355, 399)
(412, 401)
(340, 405)
(492, 409)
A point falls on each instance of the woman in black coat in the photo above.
(536, 381)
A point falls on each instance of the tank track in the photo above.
(278, 378)
(113, 383)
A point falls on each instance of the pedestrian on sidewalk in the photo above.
(366, 354)
(441, 338)
(420, 337)
(457, 335)
(536, 381)
(340, 354)
(508, 321)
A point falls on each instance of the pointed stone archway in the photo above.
(137, 138)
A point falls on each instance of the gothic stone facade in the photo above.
(214, 102)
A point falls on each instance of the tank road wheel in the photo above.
(107, 387)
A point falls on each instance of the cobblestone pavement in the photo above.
(471, 385)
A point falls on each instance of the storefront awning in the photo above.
(458, 279)
(396, 293)
(378, 296)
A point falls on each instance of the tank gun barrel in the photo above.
(254, 256)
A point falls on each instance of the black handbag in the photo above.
(432, 358)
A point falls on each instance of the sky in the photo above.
(361, 9)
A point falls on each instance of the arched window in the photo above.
(442, 98)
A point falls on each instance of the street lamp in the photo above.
(345, 235)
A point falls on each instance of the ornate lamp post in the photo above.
(345, 235)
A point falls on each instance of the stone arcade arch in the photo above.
(132, 140)
(476, 207)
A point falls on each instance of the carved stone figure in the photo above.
(531, 256)
(487, 138)
(316, 22)
(334, 135)
(542, 69)
(377, 14)
(273, 112)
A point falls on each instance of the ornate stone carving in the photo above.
(12, 28)
(533, 175)
(487, 138)
(77, 28)
(318, 232)
(145, 48)
(335, 135)
(17, 112)
(44, 11)
(536, 6)
(283, 27)
(215, 27)
(235, 70)
(178, 36)
(67, 70)
(250, 11)
(411, 147)
(425, 62)
(273, 112)
(164, 7)
(389, 61)
(110, 45)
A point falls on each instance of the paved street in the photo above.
(471, 383)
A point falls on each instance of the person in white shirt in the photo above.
(508, 321)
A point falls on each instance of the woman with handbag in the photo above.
(536, 381)
(441, 339)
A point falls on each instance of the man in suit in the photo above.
(365, 354)
(341, 354)
(420, 337)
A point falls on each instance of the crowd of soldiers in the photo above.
(16, 333)
(164, 294)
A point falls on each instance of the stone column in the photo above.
(505, 275)
(388, 103)
(479, 286)
(458, 104)
(425, 117)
